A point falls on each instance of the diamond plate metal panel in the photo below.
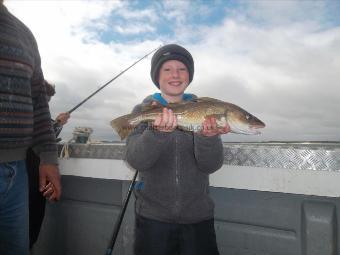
(283, 157)
(325, 157)
(96, 151)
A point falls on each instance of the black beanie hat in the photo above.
(171, 52)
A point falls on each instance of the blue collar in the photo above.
(158, 97)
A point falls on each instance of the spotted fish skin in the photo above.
(191, 115)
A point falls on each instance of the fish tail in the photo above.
(122, 126)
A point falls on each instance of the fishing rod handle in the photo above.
(121, 215)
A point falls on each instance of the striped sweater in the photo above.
(24, 113)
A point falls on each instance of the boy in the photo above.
(174, 213)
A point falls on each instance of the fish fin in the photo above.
(192, 128)
(184, 128)
(220, 119)
(122, 126)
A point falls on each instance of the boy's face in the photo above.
(173, 78)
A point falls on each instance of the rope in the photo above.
(65, 153)
(79, 136)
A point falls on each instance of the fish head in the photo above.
(242, 122)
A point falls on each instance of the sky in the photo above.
(277, 59)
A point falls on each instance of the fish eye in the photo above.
(247, 117)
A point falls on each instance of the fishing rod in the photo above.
(82, 102)
(128, 194)
(133, 181)
(107, 83)
(121, 215)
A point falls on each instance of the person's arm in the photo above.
(145, 144)
(44, 143)
(208, 153)
(208, 146)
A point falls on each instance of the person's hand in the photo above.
(165, 121)
(49, 182)
(209, 128)
(62, 118)
(48, 191)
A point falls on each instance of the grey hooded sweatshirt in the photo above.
(174, 172)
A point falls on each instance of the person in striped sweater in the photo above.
(25, 121)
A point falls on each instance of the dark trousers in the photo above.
(159, 238)
(36, 199)
(13, 208)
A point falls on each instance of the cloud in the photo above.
(137, 14)
(134, 29)
(296, 11)
(282, 65)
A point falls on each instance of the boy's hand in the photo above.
(165, 121)
(209, 128)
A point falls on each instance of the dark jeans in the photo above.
(160, 238)
(13, 208)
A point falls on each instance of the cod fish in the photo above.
(191, 115)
